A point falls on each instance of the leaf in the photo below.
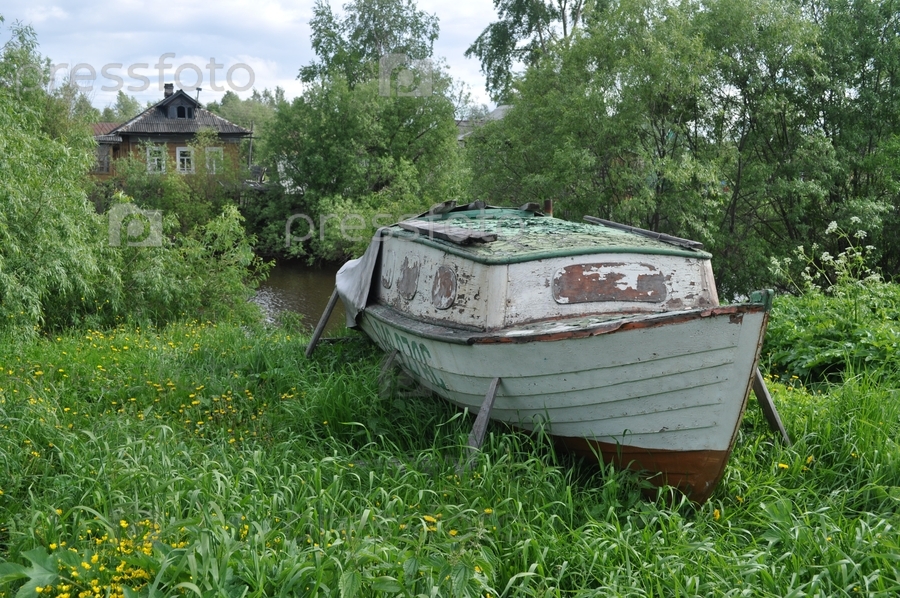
(41, 573)
(11, 572)
(351, 581)
(460, 577)
(386, 584)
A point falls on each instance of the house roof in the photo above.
(104, 128)
(156, 120)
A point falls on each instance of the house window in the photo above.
(215, 159)
(184, 157)
(184, 112)
(181, 112)
(102, 164)
(156, 158)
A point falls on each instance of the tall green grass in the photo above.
(216, 460)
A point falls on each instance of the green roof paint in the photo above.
(524, 236)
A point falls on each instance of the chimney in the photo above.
(169, 90)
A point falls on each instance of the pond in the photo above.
(294, 286)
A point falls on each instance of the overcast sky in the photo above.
(231, 39)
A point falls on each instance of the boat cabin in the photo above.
(492, 269)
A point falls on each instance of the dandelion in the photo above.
(809, 460)
(123, 524)
(740, 499)
(430, 519)
(453, 532)
(716, 514)
(488, 511)
(783, 466)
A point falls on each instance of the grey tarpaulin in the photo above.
(354, 279)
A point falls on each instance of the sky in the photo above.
(231, 44)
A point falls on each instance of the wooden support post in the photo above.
(322, 322)
(476, 437)
(768, 407)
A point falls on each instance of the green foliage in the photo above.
(844, 318)
(217, 460)
(525, 31)
(351, 46)
(355, 156)
(124, 109)
(48, 239)
(58, 267)
(745, 124)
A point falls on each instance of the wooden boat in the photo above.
(612, 340)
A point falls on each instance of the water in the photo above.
(294, 286)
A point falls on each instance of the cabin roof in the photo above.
(525, 236)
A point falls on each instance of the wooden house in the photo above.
(161, 136)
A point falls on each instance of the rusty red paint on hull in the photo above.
(694, 473)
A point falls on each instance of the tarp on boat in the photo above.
(354, 279)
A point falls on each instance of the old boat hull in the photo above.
(663, 394)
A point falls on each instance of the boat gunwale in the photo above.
(449, 334)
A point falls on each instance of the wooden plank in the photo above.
(332, 301)
(447, 232)
(646, 233)
(768, 407)
(476, 437)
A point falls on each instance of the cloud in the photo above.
(270, 36)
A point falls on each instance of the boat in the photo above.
(610, 338)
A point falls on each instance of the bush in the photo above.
(842, 317)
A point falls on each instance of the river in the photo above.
(294, 286)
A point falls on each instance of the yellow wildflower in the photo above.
(716, 514)
(783, 466)
(488, 511)
(430, 519)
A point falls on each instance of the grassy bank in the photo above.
(215, 460)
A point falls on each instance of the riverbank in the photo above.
(208, 459)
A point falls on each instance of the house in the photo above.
(161, 135)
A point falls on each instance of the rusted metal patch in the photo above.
(443, 291)
(588, 283)
(409, 279)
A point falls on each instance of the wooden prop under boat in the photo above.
(611, 340)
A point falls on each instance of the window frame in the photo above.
(156, 158)
(219, 160)
(184, 155)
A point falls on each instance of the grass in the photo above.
(215, 460)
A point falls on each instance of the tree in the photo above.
(353, 153)
(255, 113)
(359, 149)
(124, 109)
(525, 31)
(371, 30)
